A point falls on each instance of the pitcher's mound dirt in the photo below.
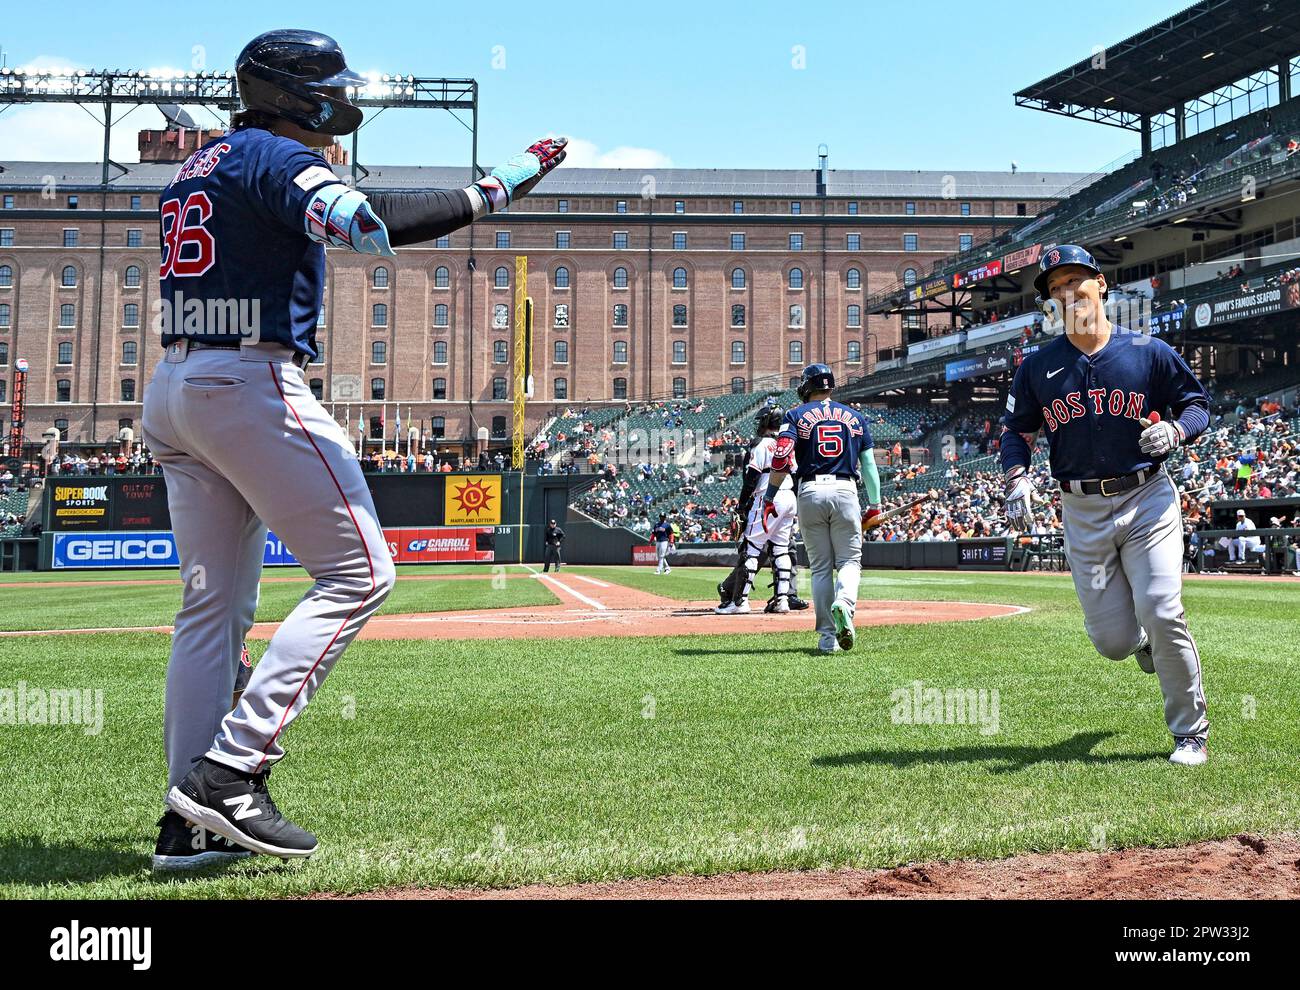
(1244, 866)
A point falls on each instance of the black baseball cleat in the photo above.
(238, 805)
(182, 846)
(722, 594)
(797, 604)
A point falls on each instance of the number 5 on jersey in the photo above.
(830, 440)
(182, 227)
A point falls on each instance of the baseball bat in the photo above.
(898, 510)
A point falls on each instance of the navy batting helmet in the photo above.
(816, 378)
(300, 76)
(769, 418)
(1062, 254)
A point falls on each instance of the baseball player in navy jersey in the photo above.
(243, 443)
(762, 532)
(827, 445)
(1114, 404)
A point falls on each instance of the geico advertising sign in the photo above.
(138, 550)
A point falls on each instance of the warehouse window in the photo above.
(965, 209)
(440, 388)
(498, 388)
(796, 352)
(441, 277)
(128, 352)
(128, 389)
(855, 352)
(909, 277)
(562, 206)
(132, 278)
(71, 236)
(679, 315)
(562, 239)
(379, 279)
(853, 279)
(909, 209)
(69, 279)
(131, 315)
(738, 386)
(5, 317)
(317, 386)
(439, 352)
(737, 206)
(679, 388)
(620, 388)
(679, 278)
(65, 352)
(965, 242)
(796, 278)
(561, 388)
(737, 242)
(853, 242)
(500, 352)
(502, 278)
(561, 277)
(796, 242)
(498, 427)
(443, 241)
(6, 277)
(909, 242)
(738, 315)
(620, 278)
(438, 427)
(134, 238)
(796, 315)
(503, 240)
(620, 240)
(855, 316)
(376, 388)
(62, 426)
(737, 352)
(620, 315)
(679, 206)
(378, 352)
(620, 352)
(440, 312)
(67, 315)
(379, 315)
(620, 206)
(63, 390)
(561, 352)
(738, 278)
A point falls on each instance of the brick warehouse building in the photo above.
(646, 284)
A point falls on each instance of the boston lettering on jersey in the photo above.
(1116, 403)
(1090, 404)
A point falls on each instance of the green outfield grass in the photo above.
(505, 762)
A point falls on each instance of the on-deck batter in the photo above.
(1101, 392)
(242, 441)
(828, 445)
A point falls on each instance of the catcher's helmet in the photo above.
(1062, 254)
(300, 76)
(816, 378)
(769, 419)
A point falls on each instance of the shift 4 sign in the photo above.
(80, 506)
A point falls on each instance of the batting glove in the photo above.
(1019, 497)
(1160, 437)
(519, 174)
(869, 515)
(769, 513)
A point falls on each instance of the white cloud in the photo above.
(585, 154)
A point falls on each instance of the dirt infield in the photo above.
(597, 608)
(1243, 866)
(589, 607)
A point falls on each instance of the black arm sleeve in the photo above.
(752, 475)
(412, 217)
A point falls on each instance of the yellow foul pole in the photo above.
(523, 369)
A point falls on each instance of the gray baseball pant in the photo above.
(244, 445)
(831, 522)
(1126, 556)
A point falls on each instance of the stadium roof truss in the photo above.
(1223, 48)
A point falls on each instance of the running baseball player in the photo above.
(1103, 393)
(827, 445)
(242, 442)
(759, 532)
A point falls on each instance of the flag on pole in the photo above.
(397, 431)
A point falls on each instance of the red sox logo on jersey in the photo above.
(1113, 401)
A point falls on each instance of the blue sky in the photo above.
(884, 85)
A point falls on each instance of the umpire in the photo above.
(554, 541)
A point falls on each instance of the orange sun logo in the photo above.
(473, 497)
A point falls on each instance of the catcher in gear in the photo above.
(761, 533)
(727, 587)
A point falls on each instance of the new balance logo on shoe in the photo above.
(245, 807)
